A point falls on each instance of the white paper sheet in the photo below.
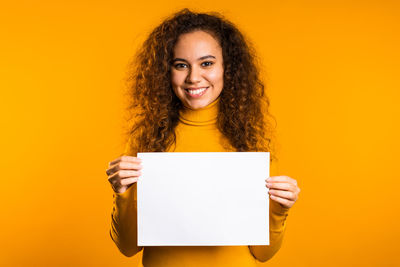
(203, 199)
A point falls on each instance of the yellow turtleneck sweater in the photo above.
(196, 132)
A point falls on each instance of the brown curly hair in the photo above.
(243, 116)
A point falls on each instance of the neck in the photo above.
(202, 116)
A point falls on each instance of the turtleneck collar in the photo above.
(202, 116)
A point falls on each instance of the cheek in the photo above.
(217, 77)
(177, 80)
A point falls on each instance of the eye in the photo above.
(179, 65)
(207, 63)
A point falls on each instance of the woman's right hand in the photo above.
(123, 172)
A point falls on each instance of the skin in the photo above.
(197, 62)
(123, 172)
(283, 189)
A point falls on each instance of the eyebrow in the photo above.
(201, 58)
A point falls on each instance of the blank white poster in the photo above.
(203, 199)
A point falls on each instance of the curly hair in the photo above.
(243, 116)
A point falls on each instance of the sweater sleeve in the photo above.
(277, 226)
(124, 218)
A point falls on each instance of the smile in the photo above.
(196, 92)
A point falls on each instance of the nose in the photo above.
(194, 75)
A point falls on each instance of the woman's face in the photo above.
(197, 72)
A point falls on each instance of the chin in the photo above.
(197, 104)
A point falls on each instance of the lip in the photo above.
(194, 88)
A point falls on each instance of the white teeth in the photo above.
(197, 91)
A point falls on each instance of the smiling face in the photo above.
(197, 72)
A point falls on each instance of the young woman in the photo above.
(196, 88)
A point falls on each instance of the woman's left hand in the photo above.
(283, 190)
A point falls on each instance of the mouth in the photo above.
(196, 92)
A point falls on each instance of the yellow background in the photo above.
(332, 71)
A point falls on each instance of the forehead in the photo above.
(194, 45)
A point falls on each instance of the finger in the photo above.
(114, 161)
(113, 179)
(124, 165)
(125, 174)
(284, 194)
(286, 203)
(117, 178)
(279, 179)
(125, 158)
(128, 181)
(281, 186)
